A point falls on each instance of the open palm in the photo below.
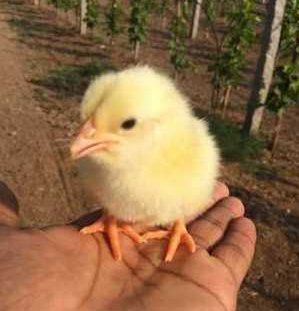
(60, 269)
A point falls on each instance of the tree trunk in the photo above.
(195, 19)
(111, 40)
(214, 99)
(36, 2)
(265, 67)
(83, 25)
(136, 50)
(225, 100)
(277, 129)
(185, 5)
(78, 17)
(178, 8)
(163, 22)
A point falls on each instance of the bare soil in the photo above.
(29, 163)
(39, 119)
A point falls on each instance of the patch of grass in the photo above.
(234, 146)
(259, 170)
(98, 39)
(15, 23)
(72, 80)
(19, 24)
(41, 95)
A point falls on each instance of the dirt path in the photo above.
(28, 163)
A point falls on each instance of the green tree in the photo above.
(289, 44)
(283, 93)
(161, 10)
(64, 5)
(230, 57)
(92, 13)
(284, 90)
(178, 37)
(138, 24)
(113, 19)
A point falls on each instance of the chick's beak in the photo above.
(89, 140)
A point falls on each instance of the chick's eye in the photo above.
(128, 124)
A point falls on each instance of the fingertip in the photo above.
(235, 205)
(246, 226)
(221, 191)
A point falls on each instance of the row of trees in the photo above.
(232, 26)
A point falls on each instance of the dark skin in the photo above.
(59, 269)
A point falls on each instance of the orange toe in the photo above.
(112, 232)
(97, 226)
(109, 226)
(129, 231)
(158, 234)
(189, 241)
(178, 235)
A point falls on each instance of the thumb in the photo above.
(9, 207)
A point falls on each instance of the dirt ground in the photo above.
(39, 119)
(29, 164)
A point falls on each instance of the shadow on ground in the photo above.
(277, 255)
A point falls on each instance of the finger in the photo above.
(8, 207)
(220, 191)
(211, 226)
(237, 248)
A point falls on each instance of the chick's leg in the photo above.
(111, 228)
(177, 235)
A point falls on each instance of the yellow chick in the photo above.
(145, 155)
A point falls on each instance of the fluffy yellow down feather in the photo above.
(165, 167)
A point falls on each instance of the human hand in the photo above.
(60, 269)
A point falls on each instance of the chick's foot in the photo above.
(177, 235)
(110, 226)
